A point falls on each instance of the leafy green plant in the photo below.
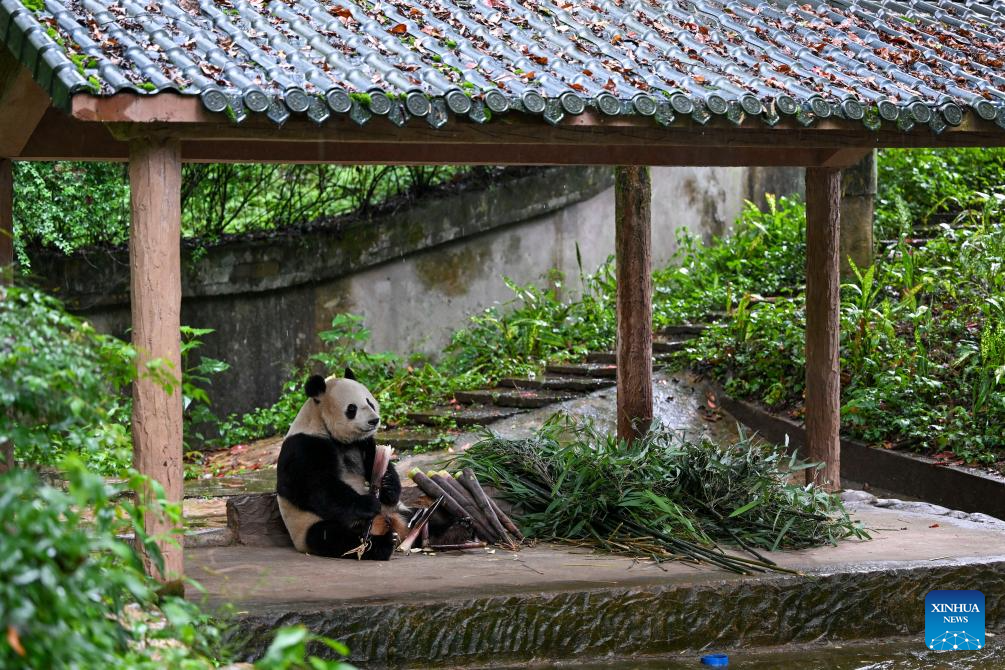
(914, 184)
(196, 377)
(765, 254)
(664, 495)
(921, 344)
(289, 650)
(61, 384)
(74, 595)
(69, 206)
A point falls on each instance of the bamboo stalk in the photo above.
(434, 491)
(448, 484)
(470, 482)
(457, 547)
(506, 521)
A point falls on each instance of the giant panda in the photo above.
(324, 464)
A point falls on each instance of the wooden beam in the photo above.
(155, 283)
(58, 139)
(6, 220)
(823, 319)
(22, 105)
(633, 259)
(842, 158)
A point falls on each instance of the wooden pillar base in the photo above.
(823, 321)
(155, 282)
(633, 258)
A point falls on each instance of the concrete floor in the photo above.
(485, 609)
(254, 578)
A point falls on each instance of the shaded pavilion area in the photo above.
(501, 82)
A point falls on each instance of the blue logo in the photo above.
(954, 620)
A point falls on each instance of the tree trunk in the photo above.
(155, 281)
(633, 255)
(823, 305)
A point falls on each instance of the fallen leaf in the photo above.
(399, 29)
(934, 525)
(14, 641)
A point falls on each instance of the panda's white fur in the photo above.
(325, 464)
(324, 415)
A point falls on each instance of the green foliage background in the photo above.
(72, 205)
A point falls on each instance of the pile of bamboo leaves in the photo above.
(664, 497)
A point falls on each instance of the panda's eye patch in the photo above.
(371, 405)
(350, 412)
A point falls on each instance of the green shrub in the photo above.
(913, 184)
(74, 595)
(922, 345)
(72, 205)
(764, 254)
(61, 385)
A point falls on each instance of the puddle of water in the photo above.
(898, 655)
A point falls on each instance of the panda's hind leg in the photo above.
(332, 539)
(381, 548)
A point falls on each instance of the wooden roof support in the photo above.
(633, 265)
(823, 321)
(6, 220)
(155, 283)
(22, 105)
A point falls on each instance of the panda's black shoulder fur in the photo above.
(311, 476)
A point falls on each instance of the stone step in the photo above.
(605, 370)
(610, 358)
(406, 439)
(558, 383)
(683, 330)
(523, 398)
(464, 417)
(661, 346)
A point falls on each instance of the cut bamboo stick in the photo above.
(434, 491)
(448, 484)
(470, 482)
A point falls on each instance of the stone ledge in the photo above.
(911, 475)
(101, 278)
(552, 602)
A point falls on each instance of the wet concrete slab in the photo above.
(553, 601)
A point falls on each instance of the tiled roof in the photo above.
(906, 62)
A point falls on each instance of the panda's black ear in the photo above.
(315, 386)
(349, 374)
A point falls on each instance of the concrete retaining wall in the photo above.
(414, 275)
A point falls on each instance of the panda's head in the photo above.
(346, 409)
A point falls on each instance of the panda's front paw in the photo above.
(390, 489)
(369, 507)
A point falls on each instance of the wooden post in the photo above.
(823, 312)
(155, 283)
(6, 220)
(633, 256)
